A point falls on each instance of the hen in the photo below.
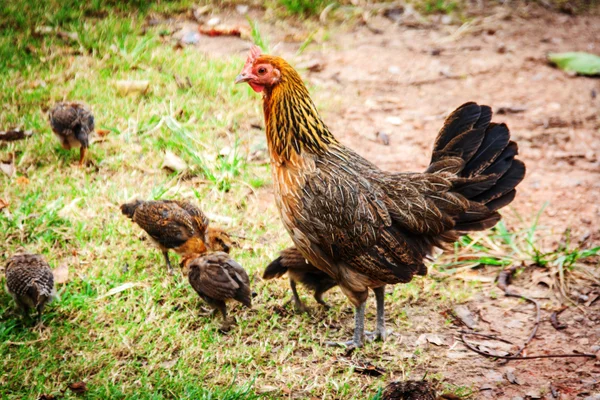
(363, 226)
(171, 224)
(72, 123)
(30, 282)
(299, 270)
(217, 279)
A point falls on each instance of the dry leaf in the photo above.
(102, 132)
(22, 180)
(78, 387)
(465, 316)
(3, 204)
(119, 289)
(14, 134)
(8, 167)
(226, 30)
(431, 338)
(125, 87)
(173, 162)
(61, 274)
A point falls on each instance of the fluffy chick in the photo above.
(217, 279)
(30, 282)
(171, 224)
(218, 239)
(299, 270)
(72, 123)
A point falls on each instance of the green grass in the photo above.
(154, 339)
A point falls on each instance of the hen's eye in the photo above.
(262, 70)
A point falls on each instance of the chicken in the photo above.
(30, 282)
(217, 279)
(218, 239)
(364, 227)
(171, 224)
(301, 271)
(72, 123)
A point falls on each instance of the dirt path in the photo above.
(403, 82)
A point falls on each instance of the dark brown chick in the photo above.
(72, 123)
(365, 227)
(413, 390)
(217, 279)
(171, 224)
(30, 282)
(299, 270)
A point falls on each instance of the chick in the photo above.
(171, 224)
(218, 239)
(30, 282)
(301, 271)
(72, 123)
(217, 279)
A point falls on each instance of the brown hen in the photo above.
(365, 227)
(217, 279)
(299, 270)
(72, 123)
(30, 282)
(171, 224)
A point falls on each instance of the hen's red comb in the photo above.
(254, 53)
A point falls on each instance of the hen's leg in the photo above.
(298, 305)
(380, 332)
(359, 329)
(167, 261)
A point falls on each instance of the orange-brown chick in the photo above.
(171, 224)
(218, 239)
(30, 282)
(217, 278)
(72, 123)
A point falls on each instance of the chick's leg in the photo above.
(226, 325)
(319, 299)
(167, 261)
(82, 153)
(298, 305)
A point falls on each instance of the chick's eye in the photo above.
(262, 70)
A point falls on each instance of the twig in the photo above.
(494, 337)
(513, 357)
(554, 319)
(536, 324)
(25, 343)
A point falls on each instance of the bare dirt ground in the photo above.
(387, 77)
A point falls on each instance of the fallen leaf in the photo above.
(8, 166)
(61, 274)
(173, 162)
(225, 30)
(125, 87)
(510, 376)
(119, 289)
(383, 138)
(22, 180)
(577, 62)
(78, 387)
(14, 134)
(169, 363)
(3, 204)
(466, 317)
(102, 132)
(430, 338)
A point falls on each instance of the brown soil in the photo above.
(403, 81)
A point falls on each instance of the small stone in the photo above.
(242, 9)
(578, 318)
(584, 341)
(213, 21)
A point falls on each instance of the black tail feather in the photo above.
(482, 156)
(275, 269)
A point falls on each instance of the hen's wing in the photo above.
(166, 222)
(349, 215)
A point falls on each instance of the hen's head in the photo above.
(262, 71)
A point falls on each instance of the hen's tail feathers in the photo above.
(128, 209)
(275, 270)
(482, 156)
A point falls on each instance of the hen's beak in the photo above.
(243, 77)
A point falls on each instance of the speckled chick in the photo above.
(72, 123)
(30, 282)
(217, 279)
(218, 239)
(171, 224)
(299, 270)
